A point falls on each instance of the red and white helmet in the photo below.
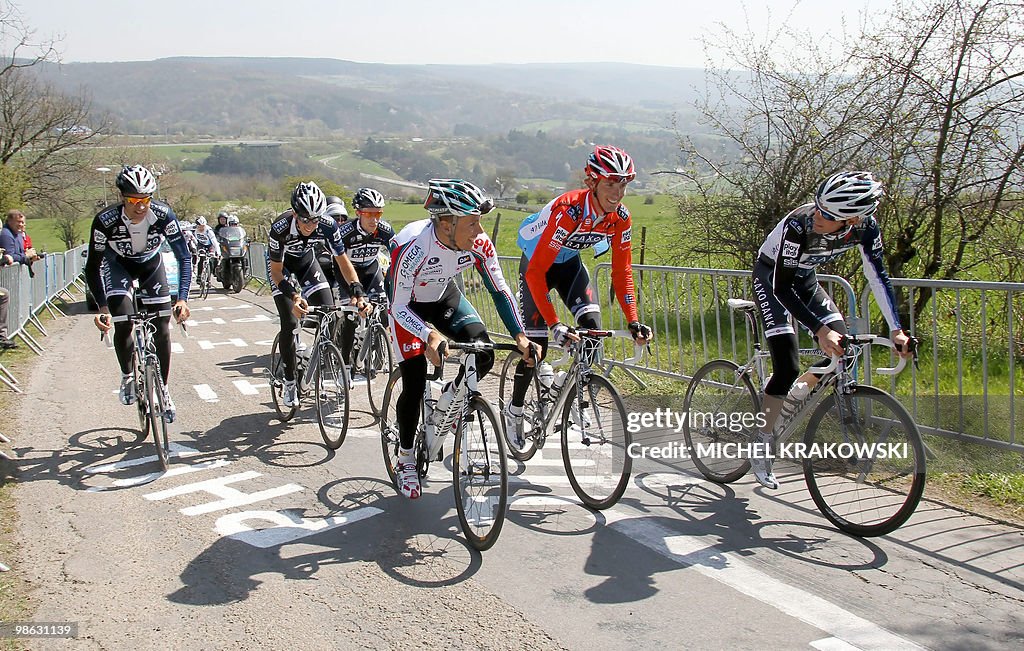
(607, 162)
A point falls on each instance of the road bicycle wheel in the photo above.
(721, 408)
(480, 474)
(155, 397)
(141, 398)
(864, 461)
(533, 414)
(378, 362)
(284, 413)
(595, 443)
(204, 282)
(332, 396)
(389, 439)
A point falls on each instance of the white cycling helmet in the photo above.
(367, 198)
(607, 162)
(848, 195)
(200, 221)
(308, 200)
(233, 220)
(336, 211)
(136, 180)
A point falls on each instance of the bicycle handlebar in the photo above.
(866, 340)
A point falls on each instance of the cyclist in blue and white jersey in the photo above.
(365, 238)
(841, 218)
(428, 255)
(124, 245)
(292, 246)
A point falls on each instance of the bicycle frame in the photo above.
(328, 317)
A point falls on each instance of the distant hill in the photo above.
(317, 97)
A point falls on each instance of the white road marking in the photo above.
(215, 321)
(177, 450)
(833, 644)
(230, 497)
(209, 345)
(175, 348)
(206, 393)
(288, 527)
(726, 568)
(243, 306)
(259, 318)
(247, 388)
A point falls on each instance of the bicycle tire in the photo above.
(718, 387)
(332, 404)
(477, 450)
(158, 426)
(881, 495)
(276, 371)
(380, 360)
(533, 414)
(608, 465)
(141, 400)
(204, 282)
(389, 439)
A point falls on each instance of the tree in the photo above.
(928, 97)
(505, 181)
(42, 132)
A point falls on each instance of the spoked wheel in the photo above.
(379, 361)
(141, 399)
(595, 443)
(157, 425)
(332, 396)
(204, 282)
(865, 463)
(389, 439)
(719, 388)
(480, 474)
(277, 382)
(533, 416)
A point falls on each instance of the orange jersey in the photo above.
(564, 227)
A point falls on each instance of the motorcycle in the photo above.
(233, 270)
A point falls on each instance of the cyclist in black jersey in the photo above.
(124, 246)
(292, 246)
(365, 238)
(842, 217)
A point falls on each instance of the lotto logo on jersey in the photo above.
(172, 228)
(485, 246)
(790, 249)
(407, 348)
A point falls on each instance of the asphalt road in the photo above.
(259, 536)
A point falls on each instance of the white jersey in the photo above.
(422, 268)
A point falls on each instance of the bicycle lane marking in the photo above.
(714, 563)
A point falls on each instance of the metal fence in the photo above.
(967, 386)
(33, 289)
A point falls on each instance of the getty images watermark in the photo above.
(743, 425)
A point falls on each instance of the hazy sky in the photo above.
(656, 32)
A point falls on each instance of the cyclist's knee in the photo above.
(589, 320)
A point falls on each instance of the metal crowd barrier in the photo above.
(32, 291)
(968, 386)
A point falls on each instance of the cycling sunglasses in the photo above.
(137, 200)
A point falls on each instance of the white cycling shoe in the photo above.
(290, 394)
(170, 412)
(408, 480)
(514, 427)
(127, 393)
(761, 464)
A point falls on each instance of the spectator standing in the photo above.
(12, 238)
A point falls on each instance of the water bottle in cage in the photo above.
(546, 375)
(791, 404)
